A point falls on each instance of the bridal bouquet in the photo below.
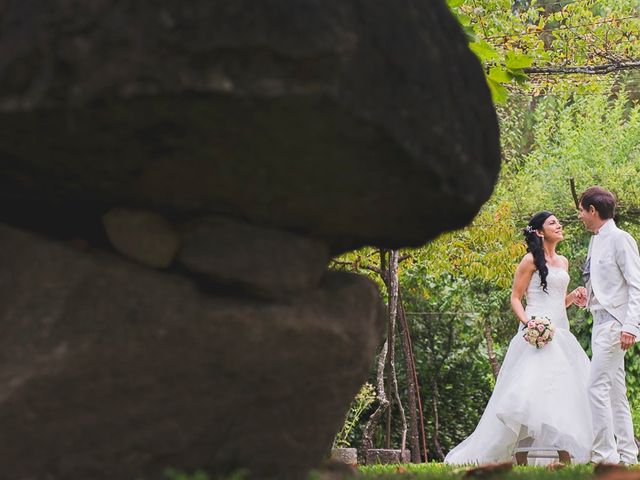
(539, 331)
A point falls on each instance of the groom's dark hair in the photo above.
(602, 200)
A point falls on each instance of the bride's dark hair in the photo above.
(534, 245)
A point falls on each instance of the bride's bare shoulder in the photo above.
(527, 262)
(565, 262)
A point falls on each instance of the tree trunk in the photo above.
(383, 402)
(384, 274)
(387, 437)
(436, 421)
(393, 312)
(387, 442)
(493, 360)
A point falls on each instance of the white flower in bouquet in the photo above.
(539, 331)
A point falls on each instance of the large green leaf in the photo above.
(484, 51)
(498, 92)
(500, 74)
(516, 61)
(519, 75)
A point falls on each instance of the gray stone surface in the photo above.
(345, 455)
(383, 456)
(267, 262)
(110, 370)
(358, 122)
(141, 235)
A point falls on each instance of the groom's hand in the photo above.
(580, 296)
(627, 340)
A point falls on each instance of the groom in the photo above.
(612, 277)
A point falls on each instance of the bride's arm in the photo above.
(571, 297)
(521, 281)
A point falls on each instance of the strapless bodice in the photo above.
(549, 304)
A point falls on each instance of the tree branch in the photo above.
(404, 257)
(586, 69)
(574, 194)
(373, 269)
(356, 264)
(342, 262)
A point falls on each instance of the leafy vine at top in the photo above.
(525, 45)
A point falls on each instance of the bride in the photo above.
(540, 397)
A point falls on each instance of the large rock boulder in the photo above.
(312, 127)
(142, 236)
(113, 371)
(267, 262)
(357, 122)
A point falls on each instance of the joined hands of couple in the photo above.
(579, 298)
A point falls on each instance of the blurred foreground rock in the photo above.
(268, 262)
(142, 236)
(356, 122)
(111, 370)
(149, 338)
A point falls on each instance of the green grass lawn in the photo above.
(428, 471)
(433, 471)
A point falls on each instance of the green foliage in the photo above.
(487, 251)
(454, 375)
(509, 36)
(635, 413)
(592, 139)
(365, 397)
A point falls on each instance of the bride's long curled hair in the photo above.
(534, 245)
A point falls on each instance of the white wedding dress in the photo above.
(540, 397)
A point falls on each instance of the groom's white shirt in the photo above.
(615, 275)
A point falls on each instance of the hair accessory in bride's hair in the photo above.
(529, 229)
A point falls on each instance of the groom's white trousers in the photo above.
(612, 424)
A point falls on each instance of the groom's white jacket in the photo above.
(615, 275)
